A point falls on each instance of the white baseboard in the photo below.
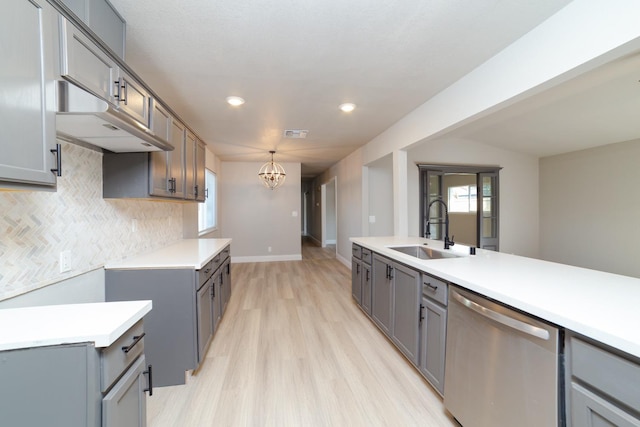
(344, 260)
(270, 258)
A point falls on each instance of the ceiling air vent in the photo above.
(295, 133)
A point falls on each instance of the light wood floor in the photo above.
(293, 349)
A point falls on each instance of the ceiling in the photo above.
(295, 61)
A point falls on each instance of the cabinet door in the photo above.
(205, 324)
(126, 405)
(29, 49)
(201, 185)
(227, 282)
(433, 343)
(356, 280)
(160, 124)
(216, 304)
(84, 63)
(133, 98)
(366, 288)
(382, 293)
(406, 310)
(190, 165)
(590, 410)
(176, 160)
(105, 21)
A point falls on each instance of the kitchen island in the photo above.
(597, 361)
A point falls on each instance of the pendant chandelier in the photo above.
(272, 174)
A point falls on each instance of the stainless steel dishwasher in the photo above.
(501, 367)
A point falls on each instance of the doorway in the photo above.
(471, 197)
(329, 213)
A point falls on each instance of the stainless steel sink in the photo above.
(423, 252)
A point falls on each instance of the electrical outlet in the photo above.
(134, 225)
(269, 249)
(372, 219)
(65, 261)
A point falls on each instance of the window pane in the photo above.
(207, 210)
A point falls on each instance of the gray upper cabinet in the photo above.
(160, 124)
(175, 159)
(101, 18)
(200, 162)
(133, 98)
(190, 144)
(29, 53)
(85, 64)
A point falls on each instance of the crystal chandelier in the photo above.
(271, 174)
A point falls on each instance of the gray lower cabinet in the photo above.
(367, 284)
(382, 293)
(29, 52)
(185, 315)
(410, 307)
(356, 280)
(76, 385)
(603, 386)
(406, 310)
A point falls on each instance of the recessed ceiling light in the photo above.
(235, 101)
(347, 107)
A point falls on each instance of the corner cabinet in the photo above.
(77, 385)
(30, 50)
(187, 307)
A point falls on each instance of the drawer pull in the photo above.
(136, 340)
(150, 373)
(430, 286)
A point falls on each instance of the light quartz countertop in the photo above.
(188, 253)
(599, 305)
(101, 323)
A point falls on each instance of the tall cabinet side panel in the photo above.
(171, 337)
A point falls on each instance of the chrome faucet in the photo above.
(447, 243)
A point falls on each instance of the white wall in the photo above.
(380, 190)
(330, 212)
(256, 217)
(590, 209)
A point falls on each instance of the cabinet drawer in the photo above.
(356, 251)
(434, 288)
(115, 360)
(366, 256)
(607, 372)
(217, 261)
(204, 273)
(589, 409)
(226, 252)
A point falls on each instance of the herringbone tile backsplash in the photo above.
(35, 226)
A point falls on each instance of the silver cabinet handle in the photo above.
(501, 318)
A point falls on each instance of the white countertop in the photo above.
(601, 306)
(188, 253)
(100, 323)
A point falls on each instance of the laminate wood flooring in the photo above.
(293, 349)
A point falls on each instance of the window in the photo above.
(207, 220)
(463, 199)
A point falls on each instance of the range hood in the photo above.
(87, 118)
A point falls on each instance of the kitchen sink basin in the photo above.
(422, 252)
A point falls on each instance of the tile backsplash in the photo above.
(35, 226)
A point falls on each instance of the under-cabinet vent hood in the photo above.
(85, 117)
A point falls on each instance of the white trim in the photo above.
(270, 258)
(343, 260)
